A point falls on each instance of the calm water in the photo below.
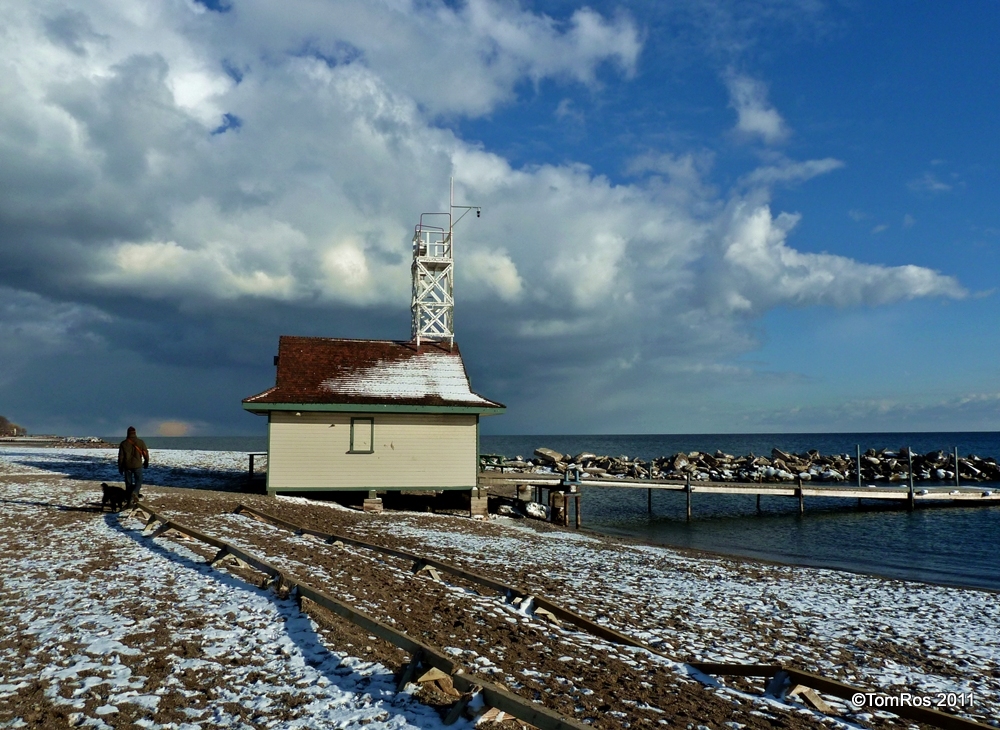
(952, 545)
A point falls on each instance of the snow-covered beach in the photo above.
(108, 628)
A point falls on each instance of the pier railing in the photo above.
(553, 490)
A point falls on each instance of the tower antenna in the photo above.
(433, 269)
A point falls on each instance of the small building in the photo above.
(375, 415)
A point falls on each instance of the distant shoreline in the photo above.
(57, 442)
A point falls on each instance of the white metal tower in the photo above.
(433, 302)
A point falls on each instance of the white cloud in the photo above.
(115, 189)
(492, 271)
(760, 271)
(928, 183)
(755, 115)
(790, 171)
(164, 269)
(450, 60)
(567, 112)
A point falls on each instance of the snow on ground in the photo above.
(84, 634)
(167, 467)
(888, 635)
(135, 632)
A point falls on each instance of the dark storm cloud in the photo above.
(180, 187)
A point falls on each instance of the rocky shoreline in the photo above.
(277, 667)
(883, 465)
(57, 442)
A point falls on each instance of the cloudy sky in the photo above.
(698, 215)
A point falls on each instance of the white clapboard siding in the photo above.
(312, 451)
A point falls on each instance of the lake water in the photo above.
(951, 545)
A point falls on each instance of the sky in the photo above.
(698, 216)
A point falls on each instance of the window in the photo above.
(362, 435)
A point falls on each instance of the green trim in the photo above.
(371, 435)
(370, 408)
(267, 479)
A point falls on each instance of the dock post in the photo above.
(909, 462)
(576, 504)
(802, 500)
(859, 466)
(687, 491)
(758, 501)
(649, 501)
(956, 466)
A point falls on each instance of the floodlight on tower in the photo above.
(433, 269)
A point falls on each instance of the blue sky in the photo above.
(698, 216)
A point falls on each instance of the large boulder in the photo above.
(550, 456)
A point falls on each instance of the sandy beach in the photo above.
(109, 628)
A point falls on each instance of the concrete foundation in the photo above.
(479, 504)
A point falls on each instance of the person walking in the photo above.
(133, 457)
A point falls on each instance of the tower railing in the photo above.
(433, 301)
(432, 243)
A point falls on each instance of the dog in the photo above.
(115, 496)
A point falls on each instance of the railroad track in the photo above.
(782, 679)
(596, 658)
(424, 657)
(531, 667)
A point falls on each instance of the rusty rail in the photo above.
(494, 695)
(834, 688)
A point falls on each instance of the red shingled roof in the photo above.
(380, 372)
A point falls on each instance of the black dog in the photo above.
(115, 496)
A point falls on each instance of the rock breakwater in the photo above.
(884, 465)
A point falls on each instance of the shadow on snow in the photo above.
(91, 467)
(297, 626)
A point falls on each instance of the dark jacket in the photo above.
(132, 454)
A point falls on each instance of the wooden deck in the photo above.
(899, 491)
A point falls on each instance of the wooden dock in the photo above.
(906, 493)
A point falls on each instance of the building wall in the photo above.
(409, 451)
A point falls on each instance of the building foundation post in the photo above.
(372, 503)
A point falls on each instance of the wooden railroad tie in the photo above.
(493, 695)
(442, 682)
(410, 669)
(548, 616)
(430, 570)
(811, 697)
(459, 707)
(783, 682)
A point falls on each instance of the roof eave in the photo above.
(484, 410)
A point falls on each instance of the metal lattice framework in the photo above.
(433, 301)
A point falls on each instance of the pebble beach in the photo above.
(80, 649)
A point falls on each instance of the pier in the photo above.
(559, 491)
